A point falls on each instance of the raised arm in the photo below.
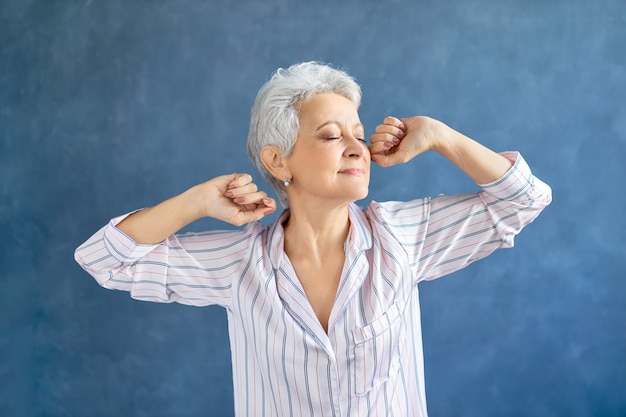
(400, 140)
(141, 253)
(232, 198)
(443, 234)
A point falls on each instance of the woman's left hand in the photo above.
(397, 141)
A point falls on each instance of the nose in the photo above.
(355, 148)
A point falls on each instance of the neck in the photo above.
(314, 231)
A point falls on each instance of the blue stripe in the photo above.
(212, 249)
(346, 335)
(188, 267)
(172, 284)
(330, 389)
(284, 361)
(347, 274)
(455, 203)
(121, 257)
(466, 256)
(517, 192)
(406, 225)
(453, 243)
(306, 373)
(297, 287)
(267, 358)
(239, 284)
(450, 225)
(107, 256)
(405, 206)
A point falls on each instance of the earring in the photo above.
(287, 182)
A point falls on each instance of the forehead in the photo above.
(325, 107)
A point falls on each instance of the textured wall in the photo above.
(108, 106)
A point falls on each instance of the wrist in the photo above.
(444, 138)
(194, 204)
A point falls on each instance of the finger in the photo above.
(239, 180)
(380, 159)
(385, 137)
(394, 121)
(244, 189)
(270, 204)
(251, 198)
(256, 214)
(390, 130)
(253, 214)
(381, 147)
(383, 142)
(384, 161)
(262, 211)
(387, 159)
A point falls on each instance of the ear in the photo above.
(274, 162)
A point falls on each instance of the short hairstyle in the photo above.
(274, 119)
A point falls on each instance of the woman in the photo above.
(323, 305)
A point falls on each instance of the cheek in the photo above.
(366, 151)
(367, 157)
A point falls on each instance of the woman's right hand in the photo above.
(234, 199)
(231, 198)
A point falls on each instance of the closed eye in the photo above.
(339, 137)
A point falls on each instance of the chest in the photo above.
(319, 282)
(276, 331)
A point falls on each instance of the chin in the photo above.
(361, 195)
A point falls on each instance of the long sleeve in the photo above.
(195, 269)
(443, 234)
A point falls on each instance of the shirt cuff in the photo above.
(121, 246)
(515, 182)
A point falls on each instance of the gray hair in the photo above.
(274, 119)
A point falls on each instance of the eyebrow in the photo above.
(338, 123)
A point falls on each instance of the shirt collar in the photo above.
(359, 237)
(276, 241)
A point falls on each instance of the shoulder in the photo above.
(227, 240)
(397, 212)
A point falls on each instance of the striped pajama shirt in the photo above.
(370, 363)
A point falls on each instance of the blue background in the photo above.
(108, 106)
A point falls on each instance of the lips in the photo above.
(352, 171)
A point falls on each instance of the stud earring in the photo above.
(287, 182)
